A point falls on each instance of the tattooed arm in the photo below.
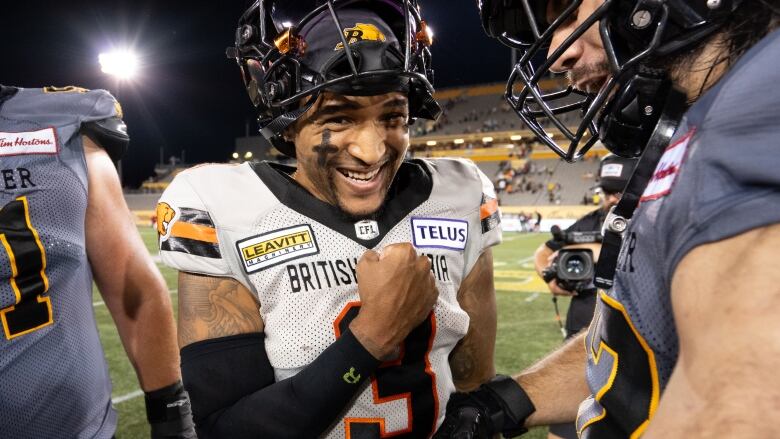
(472, 360)
(229, 376)
(213, 307)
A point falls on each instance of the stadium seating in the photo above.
(574, 181)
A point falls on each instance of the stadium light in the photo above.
(487, 139)
(122, 64)
(431, 143)
(235, 155)
(516, 137)
(459, 141)
(429, 31)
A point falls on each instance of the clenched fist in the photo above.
(397, 292)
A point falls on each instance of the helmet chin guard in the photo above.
(635, 35)
(290, 51)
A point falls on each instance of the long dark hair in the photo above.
(745, 27)
(750, 23)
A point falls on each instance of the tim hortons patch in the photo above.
(29, 142)
(667, 170)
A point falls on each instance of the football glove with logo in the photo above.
(498, 406)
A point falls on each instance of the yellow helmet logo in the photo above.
(68, 89)
(165, 217)
(361, 32)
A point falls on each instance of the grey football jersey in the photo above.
(298, 256)
(718, 178)
(53, 378)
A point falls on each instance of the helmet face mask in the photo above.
(284, 73)
(624, 112)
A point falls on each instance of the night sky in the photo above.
(188, 95)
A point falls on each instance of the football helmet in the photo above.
(289, 51)
(636, 34)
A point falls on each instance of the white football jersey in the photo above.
(298, 255)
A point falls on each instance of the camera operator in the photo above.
(613, 175)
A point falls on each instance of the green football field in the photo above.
(526, 326)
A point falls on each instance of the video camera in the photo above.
(573, 269)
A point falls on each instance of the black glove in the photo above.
(498, 406)
(169, 413)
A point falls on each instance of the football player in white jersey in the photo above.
(350, 296)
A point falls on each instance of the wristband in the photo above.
(169, 413)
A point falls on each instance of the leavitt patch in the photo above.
(273, 248)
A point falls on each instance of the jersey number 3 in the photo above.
(408, 378)
(31, 310)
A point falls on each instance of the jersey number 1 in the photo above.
(31, 310)
(408, 378)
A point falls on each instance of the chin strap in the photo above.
(619, 216)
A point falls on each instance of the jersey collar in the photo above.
(411, 187)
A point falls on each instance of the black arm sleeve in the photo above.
(110, 134)
(231, 385)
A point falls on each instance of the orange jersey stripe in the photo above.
(194, 231)
(489, 208)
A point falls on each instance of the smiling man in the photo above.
(357, 181)
(350, 296)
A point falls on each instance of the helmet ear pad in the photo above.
(253, 75)
(266, 87)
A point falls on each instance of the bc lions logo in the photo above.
(165, 218)
(361, 32)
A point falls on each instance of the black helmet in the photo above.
(289, 51)
(624, 113)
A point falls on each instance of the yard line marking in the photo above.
(532, 297)
(101, 303)
(127, 397)
(511, 286)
